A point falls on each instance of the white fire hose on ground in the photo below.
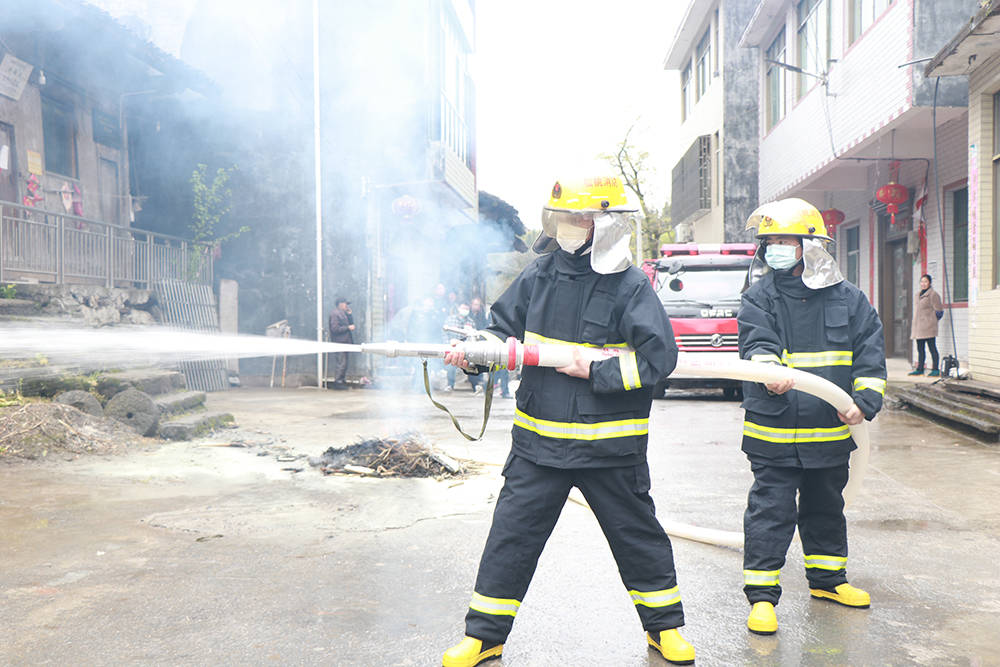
(513, 354)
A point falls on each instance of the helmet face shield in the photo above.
(551, 219)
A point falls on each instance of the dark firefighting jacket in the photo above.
(568, 422)
(832, 332)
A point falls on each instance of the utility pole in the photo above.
(319, 195)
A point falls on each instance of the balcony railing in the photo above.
(41, 246)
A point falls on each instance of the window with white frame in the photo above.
(456, 93)
(960, 239)
(813, 40)
(775, 90)
(703, 63)
(852, 241)
(686, 91)
(863, 14)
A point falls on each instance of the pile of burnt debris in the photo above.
(404, 455)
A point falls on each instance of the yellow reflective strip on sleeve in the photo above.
(630, 371)
(766, 358)
(761, 577)
(795, 435)
(817, 359)
(875, 384)
(577, 431)
(826, 562)
(532, 337)
(662, 598)
(494, 606)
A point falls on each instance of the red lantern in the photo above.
(831, 218)
(892, 195)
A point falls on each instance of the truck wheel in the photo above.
(732, 394)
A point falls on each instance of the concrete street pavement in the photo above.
(200, 554)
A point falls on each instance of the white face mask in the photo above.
(781, 256)
(570, 237)
(464, 312)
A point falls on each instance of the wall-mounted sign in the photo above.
(107, 131)
(14, 74)
(34, 163)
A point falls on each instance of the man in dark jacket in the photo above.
(584, 425)
(801, 313)
(341, 331)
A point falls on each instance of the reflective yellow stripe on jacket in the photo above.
(630, 371)
(875, 384)
(817, 359)
(826, 562)
(794, 435)
(760, 577)
(532, 337)
(576, 431)
(494, 606)
(662, 598)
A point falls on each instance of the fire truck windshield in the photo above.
(709, 286)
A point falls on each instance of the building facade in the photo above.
(845, 112)
(974, 53)
(714, 181)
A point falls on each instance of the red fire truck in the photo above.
(699, 286)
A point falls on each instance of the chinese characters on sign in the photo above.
(13, 76)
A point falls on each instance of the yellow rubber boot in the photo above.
(469, 652)
(672, 646)
(844, 594)
(762, 619)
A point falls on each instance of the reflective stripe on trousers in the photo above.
(761, 577)
(494, 606)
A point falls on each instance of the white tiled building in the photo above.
(975, 53)
(844, 111)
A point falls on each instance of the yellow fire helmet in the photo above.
(788, 217)
(599, 202)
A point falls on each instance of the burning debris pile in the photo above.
(404, 455)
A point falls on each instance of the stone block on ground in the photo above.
(191, 426)
(136, 409)
(83, 401)
(152, 381)
(180, 401)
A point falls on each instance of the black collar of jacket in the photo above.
(573, 263)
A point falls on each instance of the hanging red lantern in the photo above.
(892, 195)
(831, 218)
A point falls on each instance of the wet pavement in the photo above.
(197, 553)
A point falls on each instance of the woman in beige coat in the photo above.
(925, 325)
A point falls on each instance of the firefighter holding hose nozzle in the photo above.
(585, 424)
(801, 313)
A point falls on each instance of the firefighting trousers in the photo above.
(769, 524)
(526, 512)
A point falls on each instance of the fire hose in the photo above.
(514, 355)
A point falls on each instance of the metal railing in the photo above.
(42, 246)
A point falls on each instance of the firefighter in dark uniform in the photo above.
(802, 313)
(584, 425)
